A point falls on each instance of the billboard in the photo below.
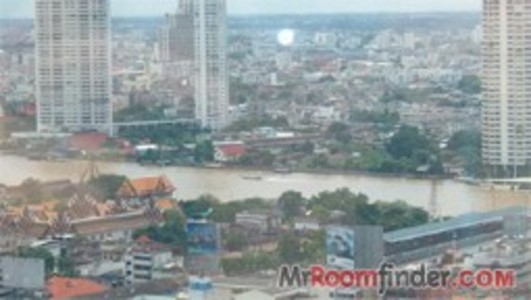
(340, 242)
(204, 247)
(202, 237)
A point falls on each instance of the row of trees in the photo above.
(341, 205)
(169, 134)
(407, 151)
(349, 208)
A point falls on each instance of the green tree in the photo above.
(201, 205)
(465, 139)
(312, 250)
(66, 267)
(289, 248)
(172, 232)
(466, 145)
(406, 142)
(340, 132)
(150, 156)
(397, 215)
(204, 151)
(359, 211)
(291, 204)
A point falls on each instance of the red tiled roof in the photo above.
(143, 239)
(66, 288)
(146, 186)
(87, 141)
(232, 150)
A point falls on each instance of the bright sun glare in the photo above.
(286, 37)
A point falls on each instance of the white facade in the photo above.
(306, 225)
(111, 235)
(506, 111)
(144, 265)
(73, 65)
(211, 80)
(261, 221)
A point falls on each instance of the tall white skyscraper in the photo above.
(211, 80)
(506, 108)
(73, 65)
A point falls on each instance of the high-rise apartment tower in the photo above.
(506, 81)
(73, 65)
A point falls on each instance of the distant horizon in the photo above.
(288, 14)
(24, 9)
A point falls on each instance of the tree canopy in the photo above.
(357, 210)
(409, 150)
(171, 233)
(291, 204)
(466, 145)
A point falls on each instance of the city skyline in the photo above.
(122, 8)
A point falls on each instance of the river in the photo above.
(453, 197)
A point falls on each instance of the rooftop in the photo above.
(66, 288)
(145, 186)
(454, 223)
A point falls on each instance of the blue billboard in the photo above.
(340, 247)
(202, 237)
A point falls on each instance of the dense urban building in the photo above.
(211, 81)
(176, 37)
(505, 110)
(73, 65)
(193, 45)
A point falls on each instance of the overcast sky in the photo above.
(24, 8)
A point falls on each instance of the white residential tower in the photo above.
(73, 65)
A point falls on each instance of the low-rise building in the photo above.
(116, 227)
(306, 224)
(264, 222)
(141, 190)
(228, 151)
(147, 260)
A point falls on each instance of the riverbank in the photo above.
(253, 168)
(229, 184)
